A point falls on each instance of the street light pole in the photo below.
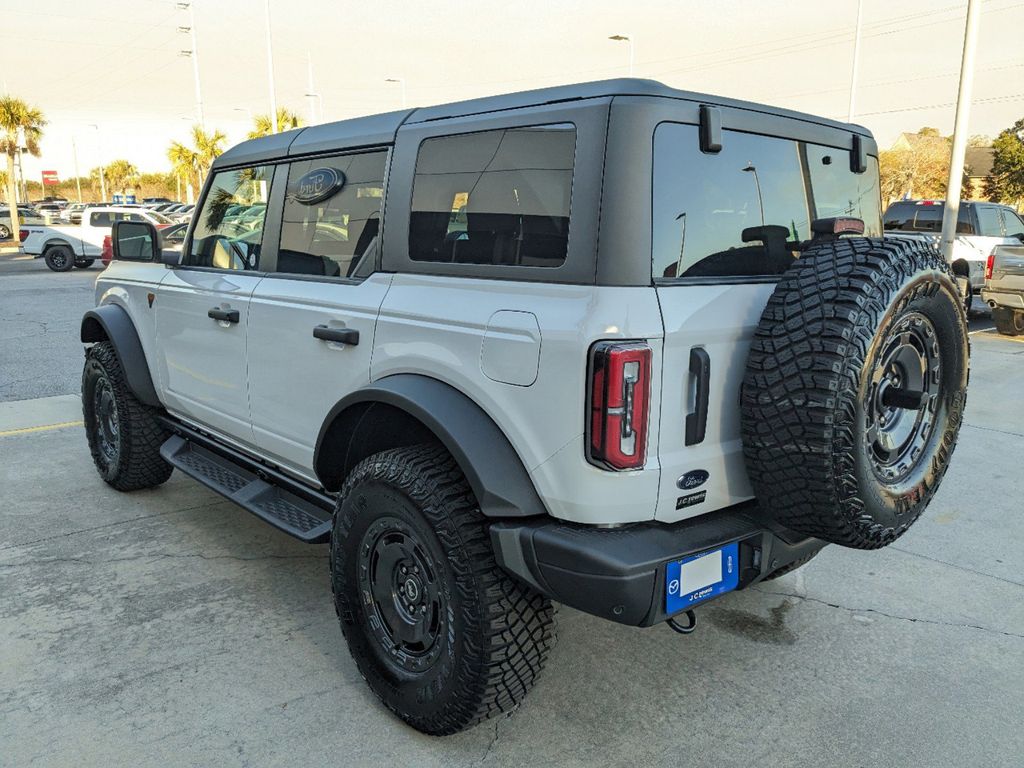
(311, 92)
(270, 73)
(194, 54)
(628, 39)
(856, 61)
(103, 181)
(963, 108)
(78, 179)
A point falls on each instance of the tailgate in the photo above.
(709, 328)
(1007, 269)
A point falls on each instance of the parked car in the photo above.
(72, 214)
(616, 345)
(1004, 287)
(26, 215)
(64, 247)
(980, 227)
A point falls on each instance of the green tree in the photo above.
(19, 123)
(192, 163)
(264, 126)
(1007, 181)
(121, 175)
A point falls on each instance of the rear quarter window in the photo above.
(496, 197)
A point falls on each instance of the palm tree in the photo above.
(18, 120)
(121, 174)
(192, 164)
(264, 126)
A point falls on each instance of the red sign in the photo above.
(50, 177)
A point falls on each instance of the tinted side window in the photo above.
(990, 224)
(331, 214)
(738, 212)
(910, 216)
(229, 229)
(494, 197)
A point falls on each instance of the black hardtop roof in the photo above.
(381, 129)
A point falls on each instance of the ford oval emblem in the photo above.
(693, 479)
(317, 185)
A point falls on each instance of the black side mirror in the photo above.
(1019, 236)
(170, 258)
(135, 241)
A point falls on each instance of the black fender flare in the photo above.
(112, 323)
(496, 474)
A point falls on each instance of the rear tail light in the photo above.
(619, 404)
(23, 234)
(989, 265)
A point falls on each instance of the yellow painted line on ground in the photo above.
(43, 428)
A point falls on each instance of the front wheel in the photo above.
(442, 635)
(5, 232)
(59, 258)
(124, 435)
(1009, 322)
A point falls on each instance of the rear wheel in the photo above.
(442, 635)
(1009, 322)
(59, 258)
(124, 435)
(855, 390)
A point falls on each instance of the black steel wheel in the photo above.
(124, 435)
(59, 258)
(855, 390)
(441, 634)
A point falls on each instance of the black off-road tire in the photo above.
(790, 567)
(492, 635)
(822, 440)
(84, 263)
(125, 450)
(1009, 322)
(59, 258)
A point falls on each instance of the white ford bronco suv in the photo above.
(614, 345)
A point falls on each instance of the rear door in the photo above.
(312, 319)
(202, 308)
(725, 226)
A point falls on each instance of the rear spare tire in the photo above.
(855, 389)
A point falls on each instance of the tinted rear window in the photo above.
(910, 216)
(494, 197)
(743, 211)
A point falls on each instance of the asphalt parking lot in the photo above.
(168, 627)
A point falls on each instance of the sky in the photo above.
(117, 64)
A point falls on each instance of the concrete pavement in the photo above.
(168, 627)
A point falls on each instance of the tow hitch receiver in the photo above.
(684, 629)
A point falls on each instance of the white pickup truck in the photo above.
(64, 247)
(980, 227)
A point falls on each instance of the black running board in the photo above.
(307, 519)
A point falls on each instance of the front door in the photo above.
(202, 308)
(312, 319)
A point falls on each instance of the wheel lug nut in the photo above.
(416, 569)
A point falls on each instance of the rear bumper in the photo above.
(1014, 299)
(619, 574)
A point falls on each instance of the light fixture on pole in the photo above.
(103, 181)
(400, 81)
(194, 55)
(628, 39)
(270, 73)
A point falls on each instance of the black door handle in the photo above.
(348, 336)
(697, 422)
(228, 315)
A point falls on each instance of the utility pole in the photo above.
(856, 61)
(194, 54)
(103, 182)
(401, 82)
(963, 108)
(270, 73)
(78, 179)
(311, 92)
(627, 39)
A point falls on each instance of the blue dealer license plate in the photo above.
(697, 578)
